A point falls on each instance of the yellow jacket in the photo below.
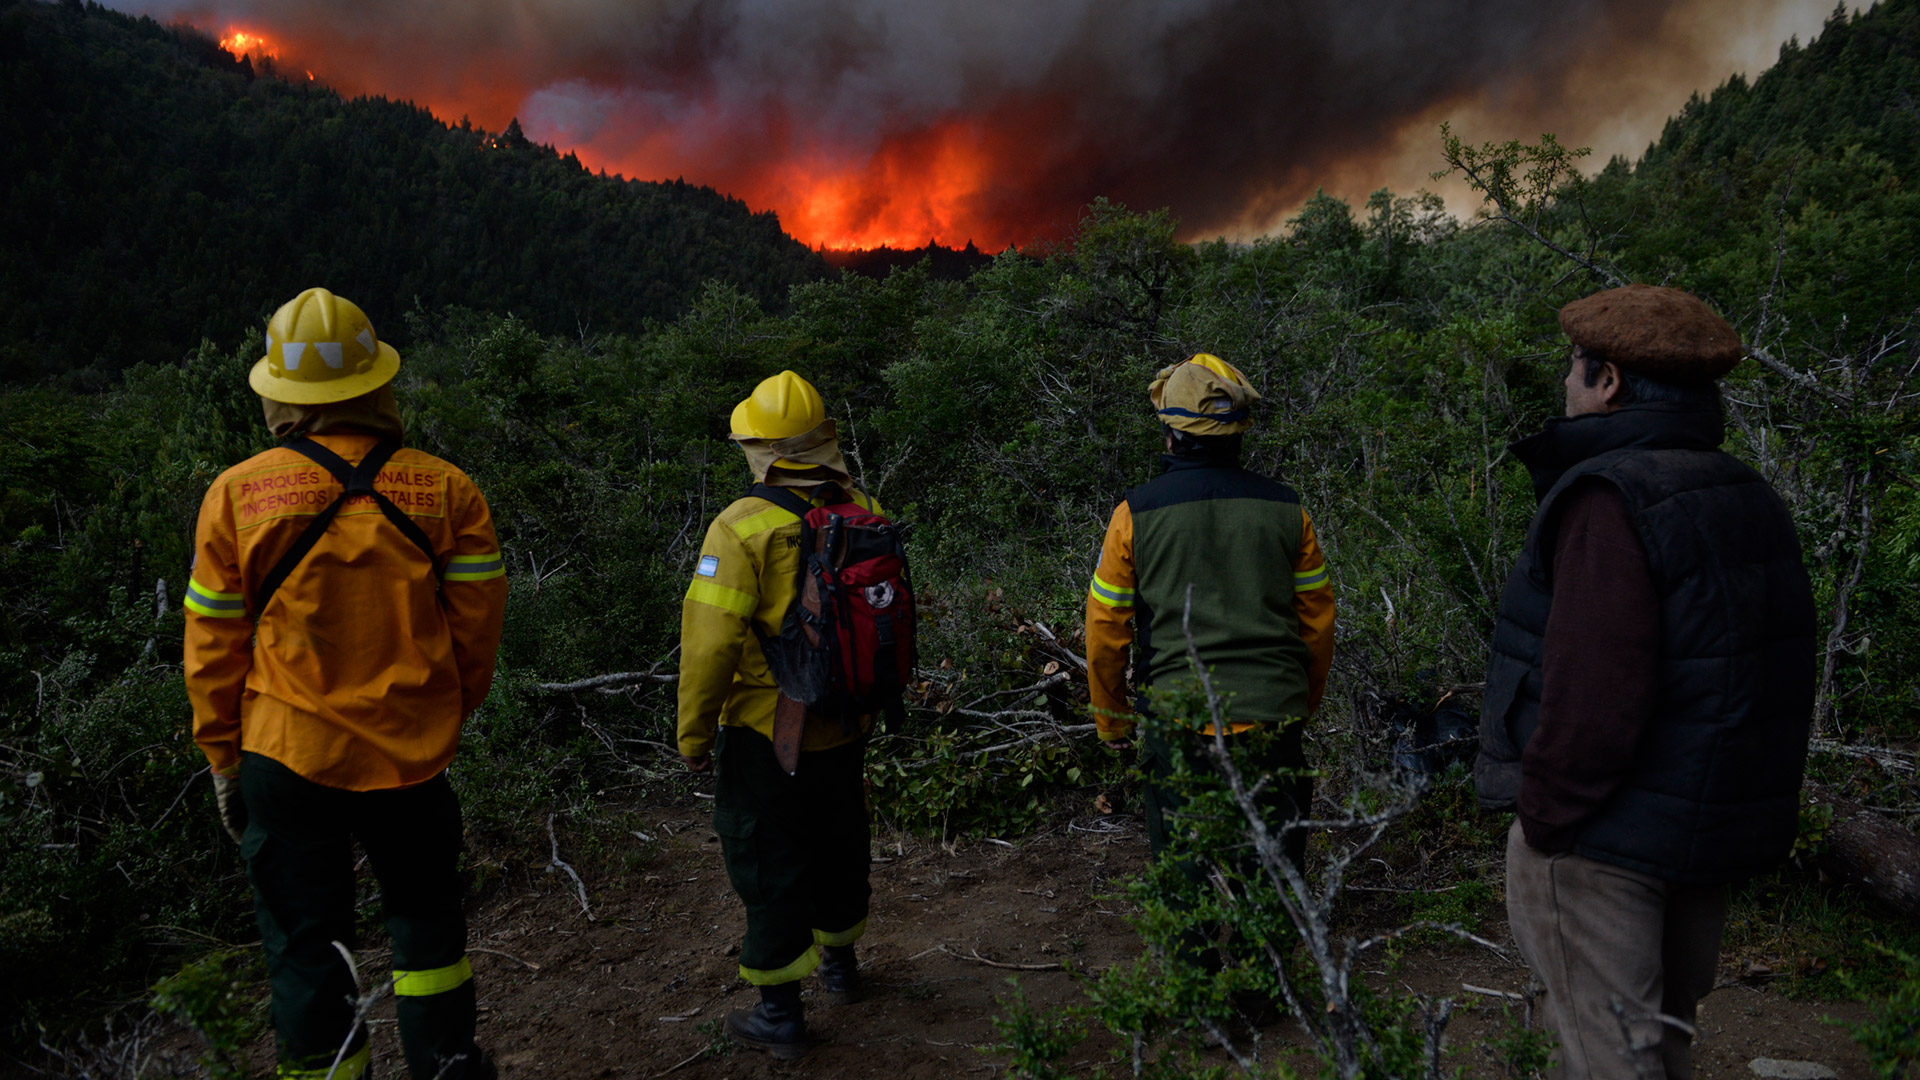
(359, 673)
(747, 576)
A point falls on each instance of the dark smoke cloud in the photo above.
(862, 120)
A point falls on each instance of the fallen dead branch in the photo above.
(528, 964)
(1891, 760)
(975, 957)
(611, 683)
(1483, 991)
(1874, 853)
(571, 872)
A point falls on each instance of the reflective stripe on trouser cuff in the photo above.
(1110, 595)
(1304, 580)
(429, 983)
(476, 567)
(844, 937)
(793, 972)
(218, 605)
(353, 1067)
(706, 592)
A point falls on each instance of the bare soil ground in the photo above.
(637, 991)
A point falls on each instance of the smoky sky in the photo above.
(864, 119)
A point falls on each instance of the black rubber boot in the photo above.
(840, 974)
(775, 1025)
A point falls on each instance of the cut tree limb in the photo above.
(1871, 852)
(602, 682)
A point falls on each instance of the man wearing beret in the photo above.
(1650, 685)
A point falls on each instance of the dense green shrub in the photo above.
(1398, 351)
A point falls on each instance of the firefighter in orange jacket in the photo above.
(344, 615)
(1262, 598)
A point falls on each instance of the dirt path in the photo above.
(637, 991)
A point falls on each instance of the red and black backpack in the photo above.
(846, 647)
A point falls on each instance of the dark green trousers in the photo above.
(796, 849)
(299, 851)
(1260, 752)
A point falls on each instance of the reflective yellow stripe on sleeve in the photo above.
(1110, 594)
(771, 518)
(353, 1067)
(435, 981)
(1309, 580)
(215, 605)
(476, 567)
(706, 592)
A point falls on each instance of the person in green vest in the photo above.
(1262, 600)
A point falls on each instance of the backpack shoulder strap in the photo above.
(357, 480)
(784, 498)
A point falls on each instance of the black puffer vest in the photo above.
(1714, 792)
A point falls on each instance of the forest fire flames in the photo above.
(939, 184)
(244, 43)
(956, 122)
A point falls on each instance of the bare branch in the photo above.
(571, 872)
(602, 682)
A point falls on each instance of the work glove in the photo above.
(233, 809)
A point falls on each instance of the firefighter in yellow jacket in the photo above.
(344, 614)
(1262, 599)
(795, 844)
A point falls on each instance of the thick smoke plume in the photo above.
(875, 121)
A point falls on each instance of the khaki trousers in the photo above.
(1615, 950)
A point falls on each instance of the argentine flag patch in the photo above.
(709, 566)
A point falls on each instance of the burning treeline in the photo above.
(865, 123)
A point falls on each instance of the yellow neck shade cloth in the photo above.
(376, 413)
(803, 460)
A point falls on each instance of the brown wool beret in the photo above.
(1651, 330)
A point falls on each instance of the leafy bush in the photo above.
(1891, 1037)
(218, 996)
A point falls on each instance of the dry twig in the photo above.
(571, 872)
(978, 959)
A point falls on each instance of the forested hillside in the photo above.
(159, 191)
(1398, 351)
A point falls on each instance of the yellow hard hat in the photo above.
(779, 408)
(321, 348)
(1203, 395)
(1219, 367)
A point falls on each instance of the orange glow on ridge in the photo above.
(950, 181)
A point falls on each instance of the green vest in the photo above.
(1235, 537)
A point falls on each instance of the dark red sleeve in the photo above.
(1602, 657)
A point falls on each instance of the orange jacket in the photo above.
(362, 668)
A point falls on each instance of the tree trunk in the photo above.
(1870, 851)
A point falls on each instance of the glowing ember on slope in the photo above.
(242, 43)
